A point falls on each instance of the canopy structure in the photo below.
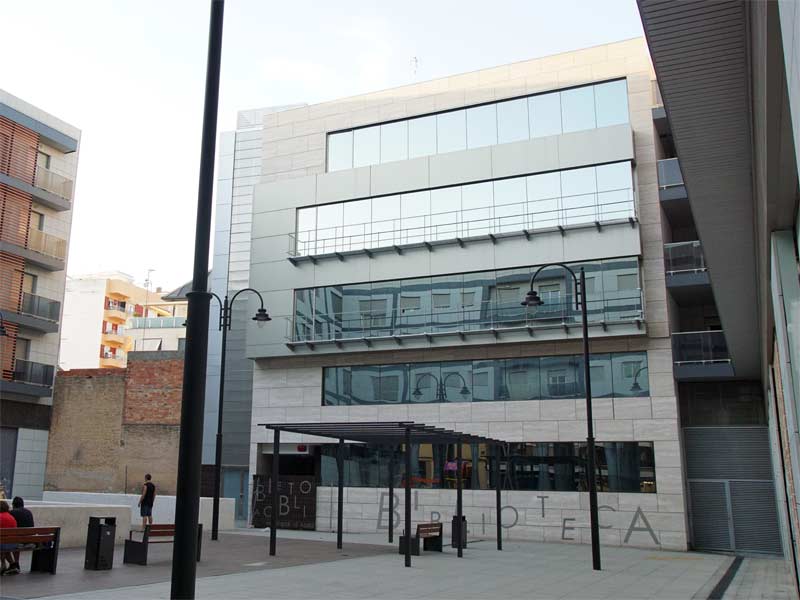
(385, 433)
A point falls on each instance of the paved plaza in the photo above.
(308, 565)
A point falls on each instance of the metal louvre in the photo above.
(710, 523)
(755, 516)
(727, 453)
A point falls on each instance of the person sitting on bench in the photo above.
(7, 521)
(24, 518)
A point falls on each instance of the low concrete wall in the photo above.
(163, 509)
(74, 519)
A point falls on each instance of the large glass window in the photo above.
(620, 375)
(451, 131)
(394, 141)
(572, 197)
(550, 113)
(472, 301)
(526, 466)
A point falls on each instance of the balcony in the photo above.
(30, 379)
(113, 361)
(36, 312)
(115, 313)
(701, 355)
(42, 249)
(686, 272)
(505, 321)
(116, 338)
(51, 182)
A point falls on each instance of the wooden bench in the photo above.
(136, 551)
(429, 533)
(42, 541)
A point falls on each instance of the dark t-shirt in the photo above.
(23, 516)
(149, 493)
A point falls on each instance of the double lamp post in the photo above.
(225, 320)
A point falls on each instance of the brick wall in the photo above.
(111, 426)
(153, 393)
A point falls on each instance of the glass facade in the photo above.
(538, 466)
(620, 375)
(551, 113)
(567, 198)
(483, 300)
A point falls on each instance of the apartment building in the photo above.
(98, 309)
(728, 74)
(394, 237)
(38, 165)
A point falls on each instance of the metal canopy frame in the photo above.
(385, 433)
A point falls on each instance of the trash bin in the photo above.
(459, 533)
(100, 543)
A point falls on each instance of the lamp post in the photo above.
(441, 391)
(225, 310)
(532, 299)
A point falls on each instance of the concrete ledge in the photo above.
(74, 519)
(163, 510)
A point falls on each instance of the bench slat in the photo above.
(28, 535)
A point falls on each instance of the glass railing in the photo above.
(684, 257)
(669, 173)
(700, 347)
(120, 331)
(156, 322)
(53, 182)
(47, 244)
(618, 306)
(40, 307)
(26, 371)
(586, 209)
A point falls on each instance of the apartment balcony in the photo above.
(115, 315)
(112, 361)
(701, 355)
(686, 273)
(37, 313)
(46, 187)
(30, 379)
(43, 250)
(116, 338)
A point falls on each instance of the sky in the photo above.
(130, 74)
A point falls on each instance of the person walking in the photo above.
(24, 518)
(146, 500)
(6, 522)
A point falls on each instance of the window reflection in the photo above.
(526, 466)
(619, 375)
(551, 113)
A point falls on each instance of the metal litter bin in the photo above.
(100, 543)
(459, 533)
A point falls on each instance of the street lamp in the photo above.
(635, 387)
(225, 310)
(532, 299)
(441, 391)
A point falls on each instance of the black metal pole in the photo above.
(224, 320)
(497, 488)
(190, 449)
(590, 468)
(391, 497)
(276, 473)
(408, 497)
(340, 498)
(459, 503)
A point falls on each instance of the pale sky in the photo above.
(130, 75)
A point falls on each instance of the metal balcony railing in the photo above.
(563, 211)
(53, 182)
(700, 347)
(682, 257)
(488, 316)
(38, 306)
(669, 173)
(26, 371)
(47, 244)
